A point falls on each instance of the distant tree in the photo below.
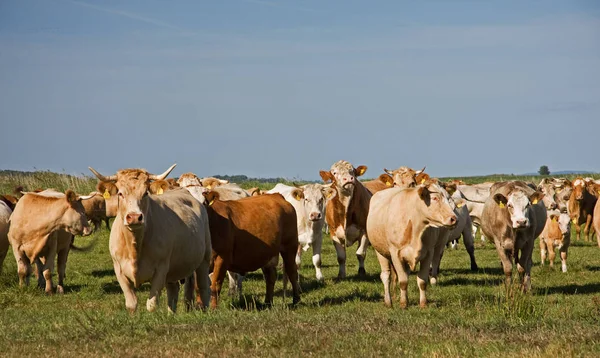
(544, 170)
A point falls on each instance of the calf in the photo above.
(557, 233)
(514, 215)
(346, 213)
(249, 234)
(402, 227)
(309, 202)
(35, 232)
(581, 208)
(160, 239)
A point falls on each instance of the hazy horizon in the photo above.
(286, 88)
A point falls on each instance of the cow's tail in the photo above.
(86, 248)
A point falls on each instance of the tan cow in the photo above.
(581, 208)
(405, 177)
(159, 239)
(109, 193)
(36, 232)
(384, 181)
(514, 215)
(5, 212)
(402, 228)
(557, 233)
(346, 213)
(249, 234)
(95, 209)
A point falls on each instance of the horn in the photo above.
(163, 175)
(86, 197)
(224, 181)
(420, 171)
(102, 177)
(388, 171)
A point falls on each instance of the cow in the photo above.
(5, 212)
(109, 193)
(41, 227)
(309, 203)
(402, 228)
(255, 191)
(251, 233)
(546, 186)
(514, 215)
(474, 197)
(405, 177)
(95, 209)
(346, 213)
(557, 233)
(581, 208)
(384, 181)
(160, 239)
(9, 200)
(211, 183)
(562, 192)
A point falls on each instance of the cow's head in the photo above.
(579, 186)
(405, 177)
(74, 219)
(343, 175)
(547, 187)
(435, 205)
(255, 191)
(211, 183)
(192, 183)
(315, 198)
(133, 188)
(158, 187)
(518, 205)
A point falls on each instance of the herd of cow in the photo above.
(195, 231)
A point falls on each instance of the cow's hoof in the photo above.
(433, 281)
(362, 272)
(60, 290)
(474, 267)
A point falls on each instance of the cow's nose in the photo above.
(315, 216)
(452, 220)
(134, 218)
(87, 230)
(521, 222)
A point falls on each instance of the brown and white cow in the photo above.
(581, 208)
(159, 239)
(249, 234)
(309, 203)
(514, 216)
(41, 227)
(403, 229)
(346, 213)
(556, 234)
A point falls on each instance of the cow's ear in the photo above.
(71, 196)
(423, 193)
(329, 193)
(210, 197)
(459, 202)
(360, 170)
(298, 194)
(326, 176)
(386, 179)
(158, 187)
(536, 197)
(422, 178)
(500, 200)
(553, 217)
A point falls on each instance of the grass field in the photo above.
(469, 313)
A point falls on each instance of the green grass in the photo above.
(469, 313)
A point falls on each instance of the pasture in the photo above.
(469, 313)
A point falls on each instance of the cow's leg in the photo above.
(106, 222)
(469, 242)
(40, 263)
(291, 271)
(385, 278)
(438, 252)
(159, 280)
(202, 285)
(23, 266)
(316, 258)
(3, 251)
(402, 271)
(126, 287)
(577, 231)
(524, 264)
(586, 229)
(232, 278)
(423, 277)
(62, 268)
(270, 273)
(340, 249)
(563, 258)
(49, 265)
(551, 254)
(361, 254)
(542, 251)
(506, 261)
(218, 275)
(173, 295)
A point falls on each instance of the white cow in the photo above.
(310, 213)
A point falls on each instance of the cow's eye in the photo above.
(145, 194)
(120, 194)
(510, 206)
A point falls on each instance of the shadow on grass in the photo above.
(592, 268)
(571, 289)
(462, 281)
(113, 288)
(355, 296)
(103, 273)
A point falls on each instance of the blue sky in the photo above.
(286, 88)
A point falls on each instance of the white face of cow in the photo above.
(315, 197)
(549, 193)
(344, 175)
(519, 207)
(564, 222)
